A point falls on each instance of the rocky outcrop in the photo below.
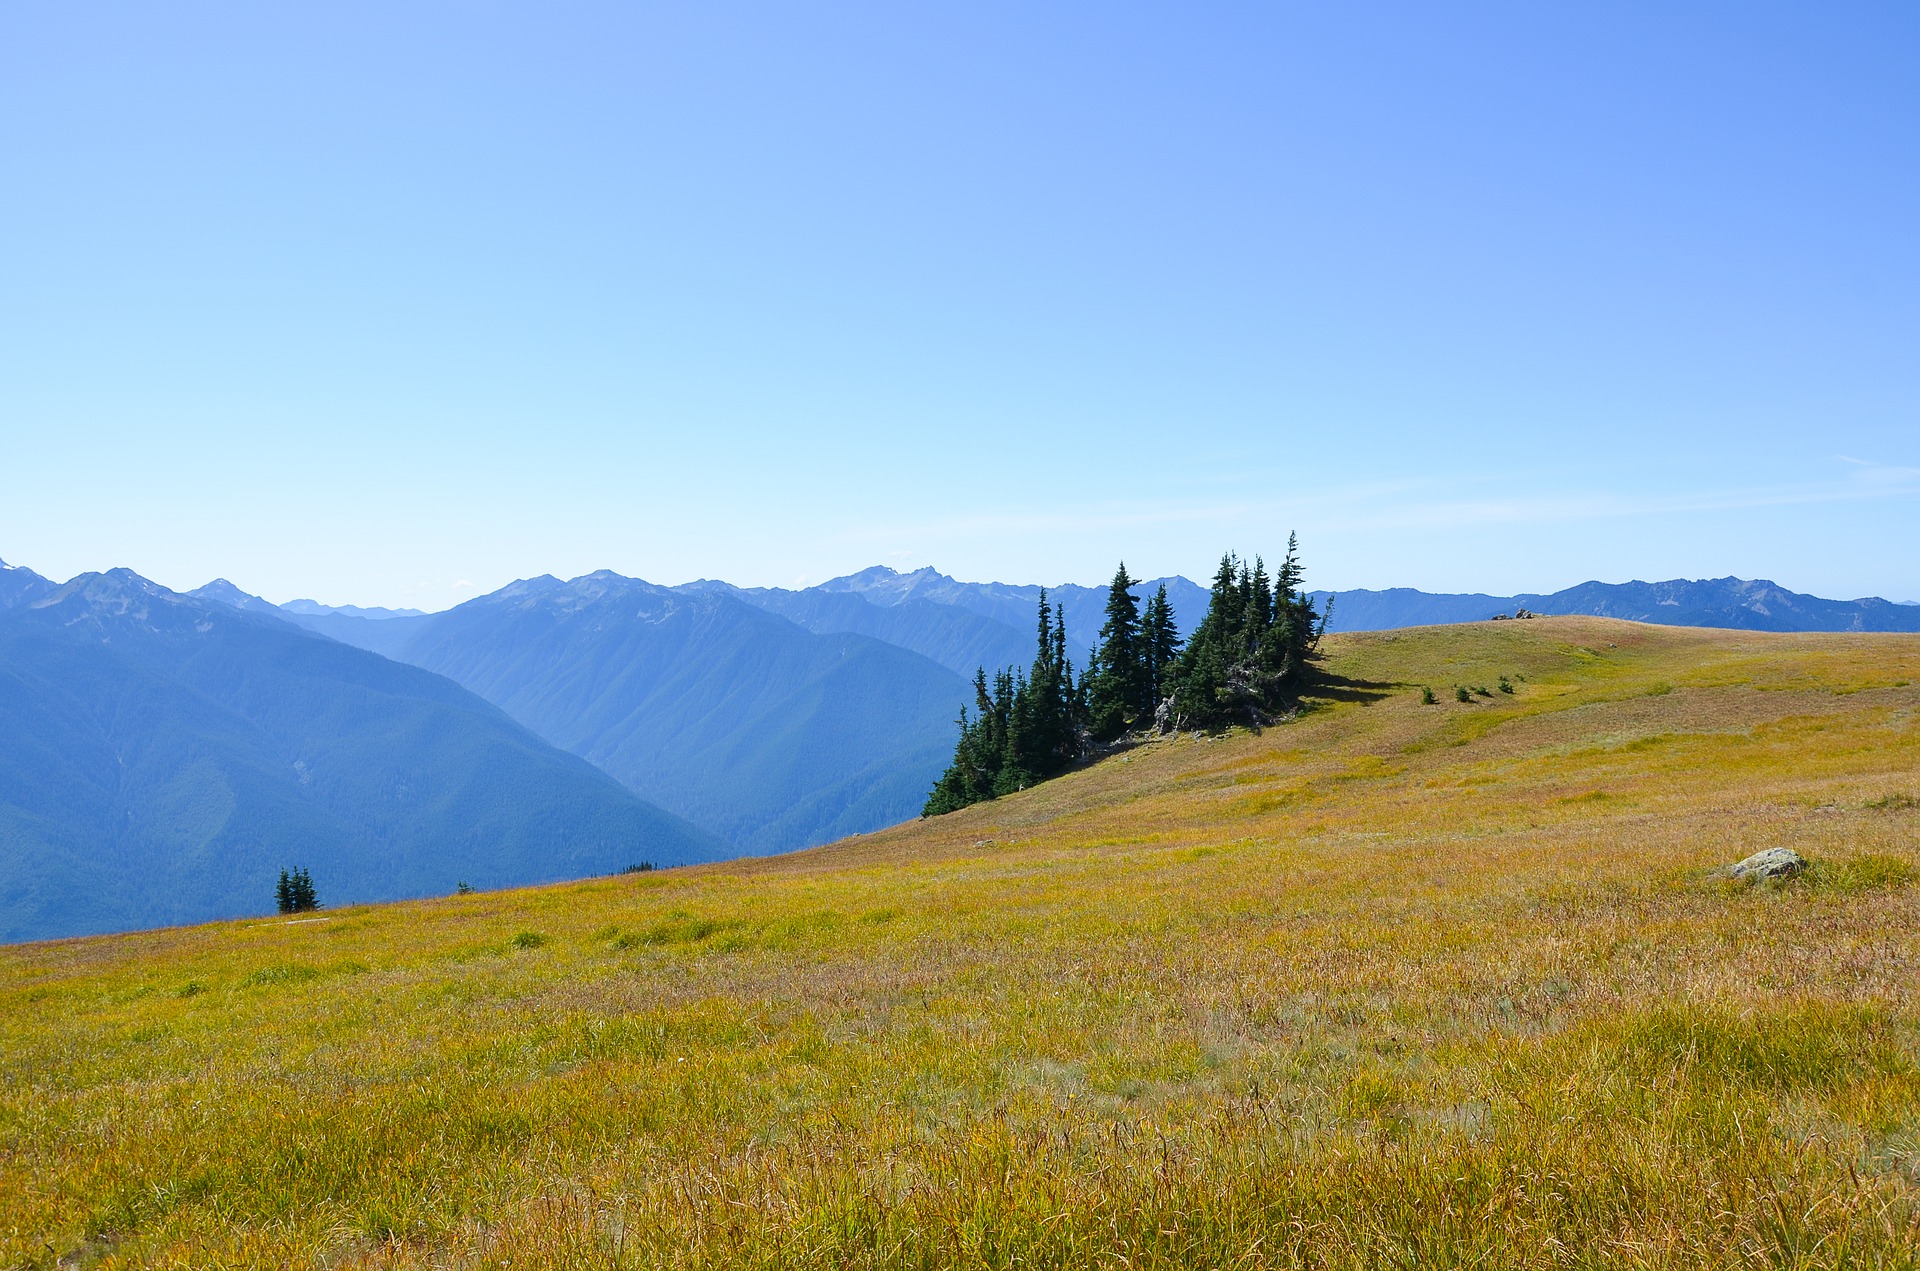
(1775, 862)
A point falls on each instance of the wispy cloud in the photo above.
(1868, 473)
(1407, 504)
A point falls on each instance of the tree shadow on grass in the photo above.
(1341, 688)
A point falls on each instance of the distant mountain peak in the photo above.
(114, 584)
(885, 585)
(19, 585)
(872, 573)
(220, 591)
(605, 584)
(525, 588)
(601, 581)
(117, 595)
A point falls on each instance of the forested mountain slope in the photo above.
(956, 638)
(163, 757)
(764, 733)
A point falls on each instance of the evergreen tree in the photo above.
(1200, 678)
(1161, 639)
(283, 893)
(1120, 685)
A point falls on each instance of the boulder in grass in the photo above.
(1775, 862)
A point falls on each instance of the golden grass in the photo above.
(1390, 985)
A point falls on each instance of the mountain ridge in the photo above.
(766, 733)
(18, 584)
(161, 755)
(770, 735)
(376, 612)
(1728, 603)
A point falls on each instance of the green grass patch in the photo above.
(1873, 871)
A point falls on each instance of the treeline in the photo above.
(1245, 663)
(1029, 726)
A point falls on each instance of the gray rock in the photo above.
(1775, 862)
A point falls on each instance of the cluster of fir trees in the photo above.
(294, 893)
(1027, 727)
(1245, 663)
(1251, 655)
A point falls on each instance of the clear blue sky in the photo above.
(393, 303)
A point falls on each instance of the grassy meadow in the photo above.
(1390, 985)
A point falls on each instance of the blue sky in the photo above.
(391, 304)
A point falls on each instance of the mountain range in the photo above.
(1740, 604)
(962, 626)
(764, 732)
(774, 719)
(164, 754)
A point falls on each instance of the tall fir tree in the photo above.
(1161, 639)
(1119, 681)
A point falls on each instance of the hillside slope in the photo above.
(162, 758)
(1390, 985)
